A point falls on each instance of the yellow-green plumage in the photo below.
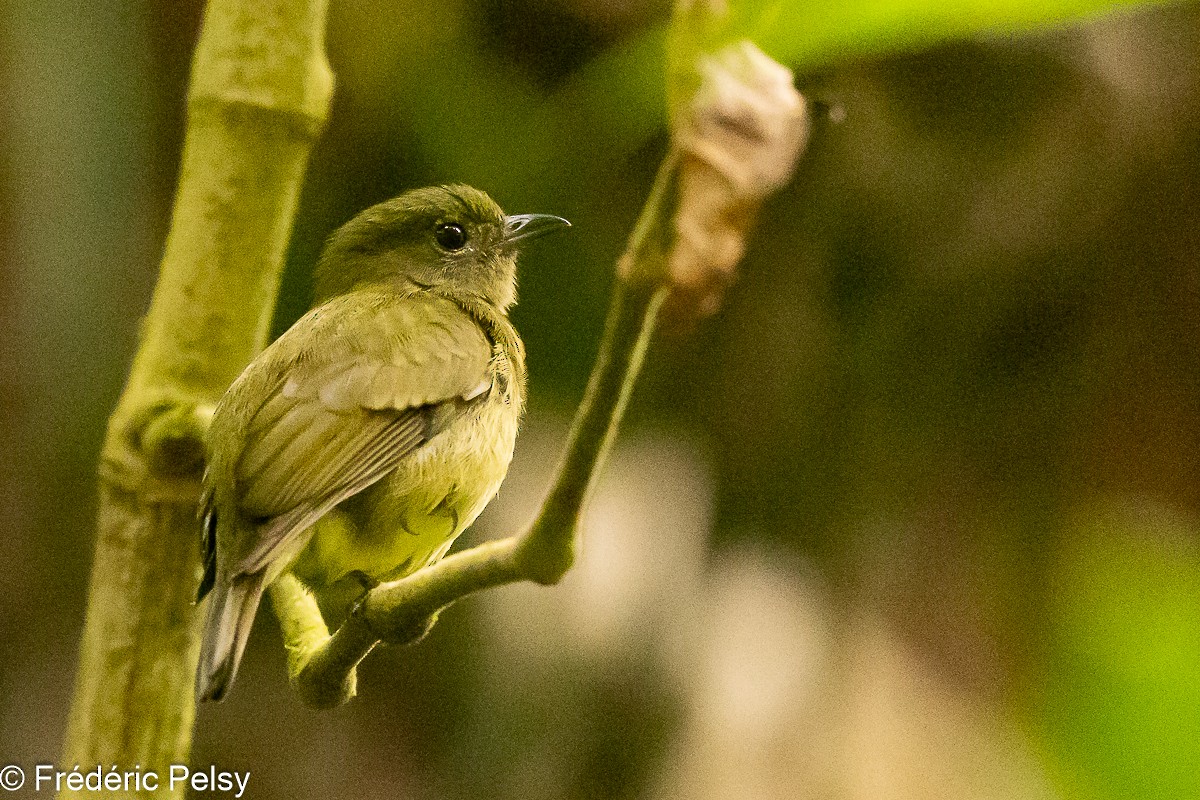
(376, 429)
(412, 515)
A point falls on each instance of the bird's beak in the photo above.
(528, 226)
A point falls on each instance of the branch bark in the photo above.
(259, 97)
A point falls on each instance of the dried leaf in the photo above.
(738, 143)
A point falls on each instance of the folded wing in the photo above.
(340, 416)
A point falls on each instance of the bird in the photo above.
(369, 435)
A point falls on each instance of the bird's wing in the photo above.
(339, 419)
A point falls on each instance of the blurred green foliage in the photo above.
(1119, 704)
(811, 35)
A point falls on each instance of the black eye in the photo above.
(450, 235)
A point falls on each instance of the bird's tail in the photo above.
(231, 609)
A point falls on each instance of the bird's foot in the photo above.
(358, 607)
(413, 632)
(363, 579)
(410, 633)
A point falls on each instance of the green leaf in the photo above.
(809, 35)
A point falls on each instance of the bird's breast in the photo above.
(412, 516)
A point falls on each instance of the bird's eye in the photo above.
(450, 235)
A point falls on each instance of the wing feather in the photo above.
(397, 440)
(329, 424)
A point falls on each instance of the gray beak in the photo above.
(529, 226)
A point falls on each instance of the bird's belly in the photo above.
(412, 516)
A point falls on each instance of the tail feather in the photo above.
(210, 554)
(231, 609)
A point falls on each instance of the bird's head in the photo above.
(451, 240)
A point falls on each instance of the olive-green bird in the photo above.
(371, 433)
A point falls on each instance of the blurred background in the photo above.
(914, 516)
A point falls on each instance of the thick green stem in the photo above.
(259, 97)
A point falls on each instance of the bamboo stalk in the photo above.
(259, 97)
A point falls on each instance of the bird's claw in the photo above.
(409, 633)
